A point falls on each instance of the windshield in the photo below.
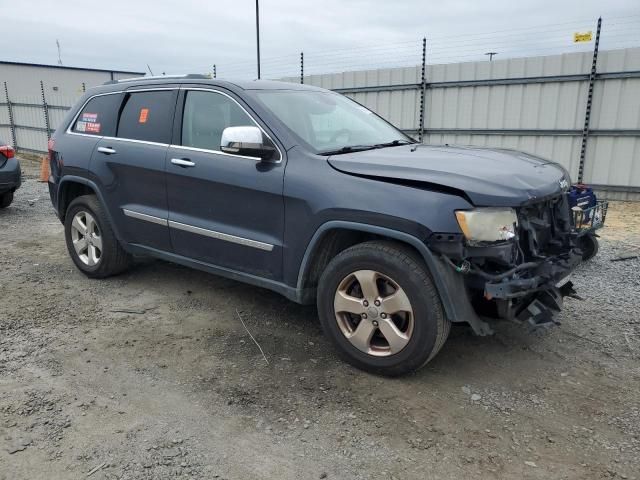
(329, 122)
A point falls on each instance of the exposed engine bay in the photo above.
(522, 278)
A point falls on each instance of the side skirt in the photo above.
(289, 292)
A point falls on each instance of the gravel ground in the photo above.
(151, 375)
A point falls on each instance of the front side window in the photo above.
(99, 116)
(206, 115)
(328, 121)
(147, 116)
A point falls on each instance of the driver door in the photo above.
(224, 209)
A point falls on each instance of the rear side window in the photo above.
(99, 116)
(147, 116)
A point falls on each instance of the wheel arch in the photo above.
(72, 187)
(334, 236)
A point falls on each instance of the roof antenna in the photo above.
(149, 69)
(59, 52)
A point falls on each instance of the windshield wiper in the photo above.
(349, 149)
(394, 143)
(361, 148)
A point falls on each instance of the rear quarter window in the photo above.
(99, 116)
(148, 116)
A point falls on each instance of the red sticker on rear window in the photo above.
(144, 113)
(92, 127)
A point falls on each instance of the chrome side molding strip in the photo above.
(199, 231)
(145, 217)
(221, 236)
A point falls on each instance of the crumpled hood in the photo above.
(489, 177)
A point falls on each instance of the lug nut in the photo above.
(377, 303)
(364, 315)
(375, 324)
(365, 303)
(383, 315)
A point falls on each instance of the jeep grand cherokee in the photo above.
(305, 192)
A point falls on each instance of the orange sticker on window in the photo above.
(144, 113)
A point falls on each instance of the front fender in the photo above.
(457, 309)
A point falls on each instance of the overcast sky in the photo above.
(190, 35)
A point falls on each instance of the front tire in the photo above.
(91, 243)
(379, 306)
(589, 246)
(6, 199)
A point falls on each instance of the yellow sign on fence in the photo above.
(582, 37)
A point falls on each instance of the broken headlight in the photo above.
(488, 224)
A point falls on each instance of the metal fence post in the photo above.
(301, 67)
(45, 110)
(12, 125)
(587, 113)
(423, 87)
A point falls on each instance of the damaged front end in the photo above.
(514, 262)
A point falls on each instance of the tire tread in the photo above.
(5, 199)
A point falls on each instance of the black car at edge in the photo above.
(10, 174)
(305, 192)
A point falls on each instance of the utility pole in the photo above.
(258, 35)
(59, 52)
(491, 54)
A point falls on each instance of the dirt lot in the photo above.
(151, 375)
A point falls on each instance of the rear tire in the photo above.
(91, 243)
(6, 199)
(386, 286)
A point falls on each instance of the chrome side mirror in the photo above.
(246, 141)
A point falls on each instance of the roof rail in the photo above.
(158, 77)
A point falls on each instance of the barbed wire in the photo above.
(617, 32)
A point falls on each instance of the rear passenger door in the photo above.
(97, 118)
(224, 209)
(129, 166)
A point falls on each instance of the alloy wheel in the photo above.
(86, 238)
(374, 313)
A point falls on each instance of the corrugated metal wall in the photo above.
(62, 88)
(24, 79)
(534, 104)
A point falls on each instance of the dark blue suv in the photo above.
(307, 193)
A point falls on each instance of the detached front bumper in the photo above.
(10, 176)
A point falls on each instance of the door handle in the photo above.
(106, 150)
(183, 162)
